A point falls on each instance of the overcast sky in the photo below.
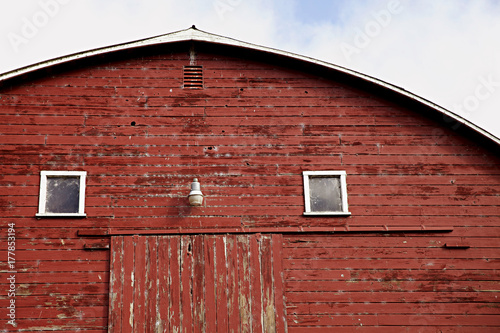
(446, 51)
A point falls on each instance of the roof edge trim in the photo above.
(198, 35)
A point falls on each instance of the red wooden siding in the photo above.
(199, 283)
(382, 284)
(247, 136)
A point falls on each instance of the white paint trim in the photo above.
(43, 193)
(343, 188)
(60, 215)
(326, 213)
(198, 35)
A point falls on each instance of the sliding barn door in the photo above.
(196, 283)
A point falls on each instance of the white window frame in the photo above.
(343, 190)
(43, 192)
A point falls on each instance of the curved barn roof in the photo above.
(193, 34)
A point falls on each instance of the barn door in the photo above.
(196, 283)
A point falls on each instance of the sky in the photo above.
(445, 51)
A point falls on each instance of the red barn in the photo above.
(330, 201)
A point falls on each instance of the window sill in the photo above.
(61, 215)
(327, 213)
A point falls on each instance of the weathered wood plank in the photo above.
(186, 281)
(390, 285)
(175, 285)
(152, 294)
(256, 289)
(61, 277)
(394, 308)
(409, 263)
(278, 279)
(140, 283)
(61, 312)
(35, 289)
(116, 284)
(244, 281)
(198, 287)
(73, 266)
(380, 253)
(375, 241)
(268, 300)
(129, 283)
(391, 275)
(162, 284)
(222, 281)
(233, 278)
(64, 324)
(210, 284)
(395, 320)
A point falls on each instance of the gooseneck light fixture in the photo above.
(195, 196)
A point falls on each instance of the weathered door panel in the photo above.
(196, 283)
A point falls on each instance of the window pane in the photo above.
(325, 194)
(63, 195)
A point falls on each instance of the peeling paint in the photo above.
(238, 265)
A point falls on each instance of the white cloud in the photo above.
(440, 50)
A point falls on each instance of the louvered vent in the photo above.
(193, 77)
